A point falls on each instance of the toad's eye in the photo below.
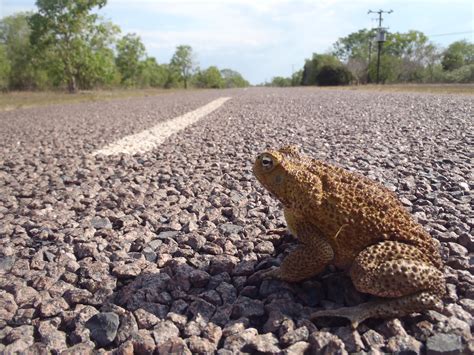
(267, 162)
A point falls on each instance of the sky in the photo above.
(266, 38)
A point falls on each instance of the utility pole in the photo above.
(380, 37)
(370, 59)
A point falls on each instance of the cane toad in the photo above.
(345, 219)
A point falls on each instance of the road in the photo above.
(166, 243)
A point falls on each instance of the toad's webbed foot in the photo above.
(384, 308)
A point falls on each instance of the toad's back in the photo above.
(356, 212)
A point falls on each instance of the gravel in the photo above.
(162, 251)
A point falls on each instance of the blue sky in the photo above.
(266, 38)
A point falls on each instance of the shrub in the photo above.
(333, 75)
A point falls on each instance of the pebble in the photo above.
(103, 327)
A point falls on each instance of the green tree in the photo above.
(313, 66)
(97, 67)
(411, 52)
(130, 51)
(4, 68)
(210, 78)
(296, 78)
(233, 79)
(65, 25)
(355, 45)
(183, 62)
(25, 72)
(458, 53)
(280, 81)
(152, 74)
(333, 75)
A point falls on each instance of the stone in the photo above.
(19, 346)
(174, 345)
(227, 292)
(351, 339)
(444, 344)
(403, 344)
(265, 247)
(298, 348)
(143, 342)
(199, 345)
(247, 307)
(373, 340)
(103, 327)
(84, 250)
(145, 319)
(51, 336)
(6, 263)
(8, 306)
(53, 307)
(196, 241)
(202, 308)
(85, 348)
(222, 263)
(237, 341)
(126, 271)
(77, 295)
(294, 336)
(164, 331)
(101, 223)
(212, 332)
(199, 278)
(326, 343)
(230, 228)
(23, 332)
(264, 343)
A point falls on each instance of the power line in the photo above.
(450, 34)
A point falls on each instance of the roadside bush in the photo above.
(464, 74)
(333, 75)
(4, 69)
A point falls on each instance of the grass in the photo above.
(424, 88)
(21, 99)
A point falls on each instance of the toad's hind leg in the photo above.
(396, 270)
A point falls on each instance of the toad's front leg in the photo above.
(308, 259)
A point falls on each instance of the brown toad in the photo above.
(354, 223)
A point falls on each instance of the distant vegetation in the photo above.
(65, 44)
(406, 58)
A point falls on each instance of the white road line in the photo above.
(153, 137)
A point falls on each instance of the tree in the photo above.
(280, 81)
(296, 78)
(333, 75)
(210, 78)
(183, 61)
(152, 74)
(355, 45)
(358, 69)
(15, 36)
(458, 53)
(4, 68)
(313, 66)
(65, 25)
(130, 50)
(233, 79)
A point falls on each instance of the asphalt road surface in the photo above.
(159, 249)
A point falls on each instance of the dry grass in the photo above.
(22, 99)
(425, 88)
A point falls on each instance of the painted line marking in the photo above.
(149, 139)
